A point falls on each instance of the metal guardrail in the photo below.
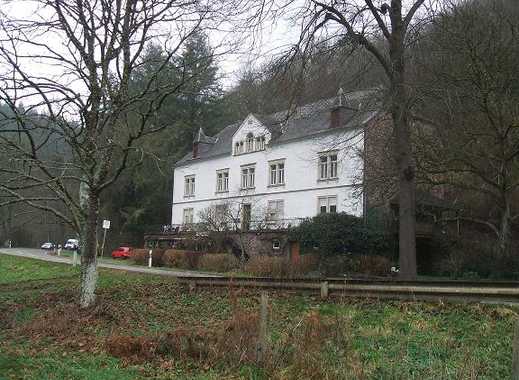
(448, 290)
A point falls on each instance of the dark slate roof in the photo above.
(304, 121)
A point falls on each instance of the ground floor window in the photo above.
(327, 204)
(187, 217)
(275, 209)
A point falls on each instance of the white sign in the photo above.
(106, 224)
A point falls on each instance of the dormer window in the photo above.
(250, 142)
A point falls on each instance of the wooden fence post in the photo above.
(324, 290)
(515, 352)
(262, 343)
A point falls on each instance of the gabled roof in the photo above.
(301, 122)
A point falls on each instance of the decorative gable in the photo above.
(251, 136)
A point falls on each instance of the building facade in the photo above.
(277, 169)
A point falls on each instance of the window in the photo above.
(327, 204)
(275, 209)
(187, 217)
(328, 166)
(247, 177)
(189, 186)
(276, 244)
(222, 181)
(221, 214)
(260, 143)
(277, 173)
(250, 142)
(238, 147)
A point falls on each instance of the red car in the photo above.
(121, 253)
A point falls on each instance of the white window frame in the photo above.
(260, 142)
(249, 142)
(189, 185)
(222, 181)
(248, 177)
(275, 209)
(329, 201)
(276, 172)
(188, 215)
(328, 166)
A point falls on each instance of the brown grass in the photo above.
(135, 349)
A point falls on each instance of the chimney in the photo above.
(195, 149)
(338, 112)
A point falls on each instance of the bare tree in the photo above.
(228, 220)
(71, 63)
(385, 31)
(471, 105)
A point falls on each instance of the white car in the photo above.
(47, 245)
(71, 244)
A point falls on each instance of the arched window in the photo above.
(250, 142)
(237, 148)
(260, 142)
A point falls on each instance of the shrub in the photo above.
(183, 259)
(140, 256)
(474, 258)
(274, 266)
(175, 258)
(218, 262)
(307, 263)
(374, 265)
(338, 233)
(193, 259)
(267, 266)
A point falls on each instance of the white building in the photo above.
(281, 167)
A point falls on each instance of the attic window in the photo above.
(260, 143)
(250, 142)
(276, 244)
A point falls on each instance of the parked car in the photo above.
(121, 253)
(48, 246)
(71, 244)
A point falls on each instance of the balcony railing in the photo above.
(253, 225)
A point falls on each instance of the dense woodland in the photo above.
(463, 82)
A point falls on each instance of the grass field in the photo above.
(151, 327)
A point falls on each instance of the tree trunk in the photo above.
(88, 254)
(505, 237)
(402, 146)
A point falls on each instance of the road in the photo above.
(42, 255)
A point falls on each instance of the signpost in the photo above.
(106, 226)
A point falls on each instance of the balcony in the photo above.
(254, 225)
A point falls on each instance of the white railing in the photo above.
(254, 225)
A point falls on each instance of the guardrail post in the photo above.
(74, 258)
(515, 353)
(324, 290)
(262, 343)
(150, 258)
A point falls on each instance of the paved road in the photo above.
(42, 255)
